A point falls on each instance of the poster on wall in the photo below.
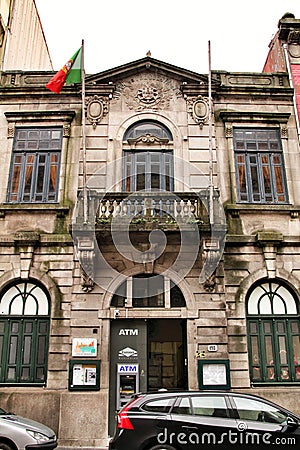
(213, 374)
(84, 347)
(84, 375)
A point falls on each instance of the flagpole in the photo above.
(85, 196)
(211, 185)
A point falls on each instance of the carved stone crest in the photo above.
(198, 109)
(148, 91)
(96, 108)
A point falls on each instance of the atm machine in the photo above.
(127, 383)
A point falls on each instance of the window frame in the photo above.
(170, 296)
(148, 144)
(271, 340)
(260, 167)
(24, 337)
(29, 162)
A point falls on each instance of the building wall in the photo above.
(43, 242)
(24, 46)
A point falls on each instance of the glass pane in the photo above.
(25, 374)
(280, 327)
(43, 327)
(16, 307)
(40, 374)
(269, 349)
(255, 350)
(253, 300)
(267, 327)
(56, 134)
(11, 374)
(295, 327)
(15, 178)
(27, 349)
(15, 327)
(30, 306)
(289, 300)
(282, 350)
(2, 327)
(143, 128)
(33, 134)
(242, 179)
(40, 179)
(256, 375)
(265, 305)
(284, 373)
(162, 405)
(256, 410)
(28, 327)
(41, 351)
(183, 407)
(1, 348)
(209, 406)
(32, 145)
(253, 327)
(28, 179)
(12, 359)
(53, 179)
(296, 349)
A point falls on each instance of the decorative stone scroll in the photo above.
(85, 247)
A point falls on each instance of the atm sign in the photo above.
(128, 368)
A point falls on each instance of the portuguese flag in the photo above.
(70, 73)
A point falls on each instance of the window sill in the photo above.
(253, 208)
(61, 211)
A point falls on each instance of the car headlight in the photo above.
(38, 436)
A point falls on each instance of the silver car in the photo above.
(18, 433)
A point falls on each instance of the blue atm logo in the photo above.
(128, 368)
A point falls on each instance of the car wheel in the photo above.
(5, 446)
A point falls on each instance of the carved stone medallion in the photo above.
(96, 108)
(198, 109)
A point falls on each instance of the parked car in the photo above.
(18, 433)
(190, 420)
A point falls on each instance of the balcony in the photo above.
(149, 210)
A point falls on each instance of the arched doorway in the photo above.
(148, 350)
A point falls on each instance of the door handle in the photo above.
(186, 427)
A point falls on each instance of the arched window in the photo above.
(24, 334)
(148, 291)
(148, 157)
(273, 333)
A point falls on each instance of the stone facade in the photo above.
(66, 246)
